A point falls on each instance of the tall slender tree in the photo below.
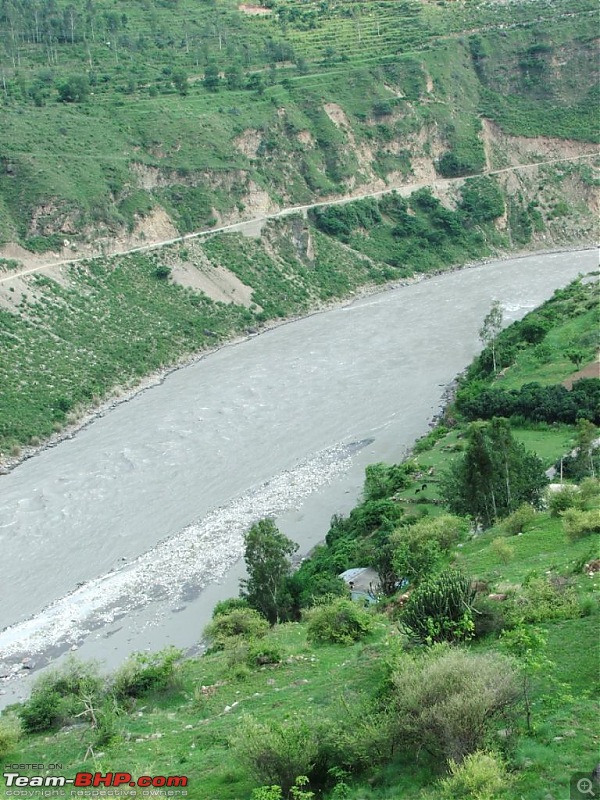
(492, 325)
(267, 555)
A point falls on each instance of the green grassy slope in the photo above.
(409, 83)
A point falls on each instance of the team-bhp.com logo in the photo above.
(93, 780)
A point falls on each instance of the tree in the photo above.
(495, 476)
(576, 356)
(583, 463)
(180, 81)
(267, 562)
(234, 77)
(74, 90)
(527, 645)
(211, 78)
(481, 200)
(256, 83)
(492, 325)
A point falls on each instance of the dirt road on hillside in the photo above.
(253, 225)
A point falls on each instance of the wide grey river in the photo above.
(123, 537)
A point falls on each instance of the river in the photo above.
(123, 537)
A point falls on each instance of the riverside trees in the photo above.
(495, 476)
(267, 554)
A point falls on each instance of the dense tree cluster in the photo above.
(537, 403)
(495, 475)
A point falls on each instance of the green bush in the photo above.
(162, 272)
(580, 523)
(10, 733)
(230, 604)
(384, 480)
(481, 776)
(245, 623)
(276, 753)
(447, 701)
(358, 740)
(542, 601)
(262, 653)
(566, 497)
(517, 521)
(43, 711)
(146, 672)
(488, 616)
(447, 530)
(414, 559)
(297, 792)
(339, 622)
(60, 694)
(428, 441)
(107, 729)
(502, 549)
(589, 490)
(440, 609)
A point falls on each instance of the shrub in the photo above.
(107, 730)
(502, 550)
(230, 604)
(162, 272)
(262, 653)
(519, 519)
(339, 622)
(428, 441)
(43, 711)
(589, 489)
(60, 694)
(276, 753)
(146, 672)
(580, 523)
(79, 678)
(446, 530)
(542, 601)
(447, 701)
(242, 622)
(481, 776)
(488, 616)
(414, 559)
(440, 609)
(384, 480)
(10, 733)
(297, 792)
(357, 741)
(74, 90)
(566, 497)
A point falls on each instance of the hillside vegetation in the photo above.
(490, 698)
(72, 334)
(145, 119)
(131, 124)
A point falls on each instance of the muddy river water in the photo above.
(123, 537)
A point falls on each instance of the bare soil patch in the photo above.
(591, 370)
(259, 11)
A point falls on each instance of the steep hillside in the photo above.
(73, 333)
(172, 116)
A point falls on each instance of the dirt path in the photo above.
(250, 224)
